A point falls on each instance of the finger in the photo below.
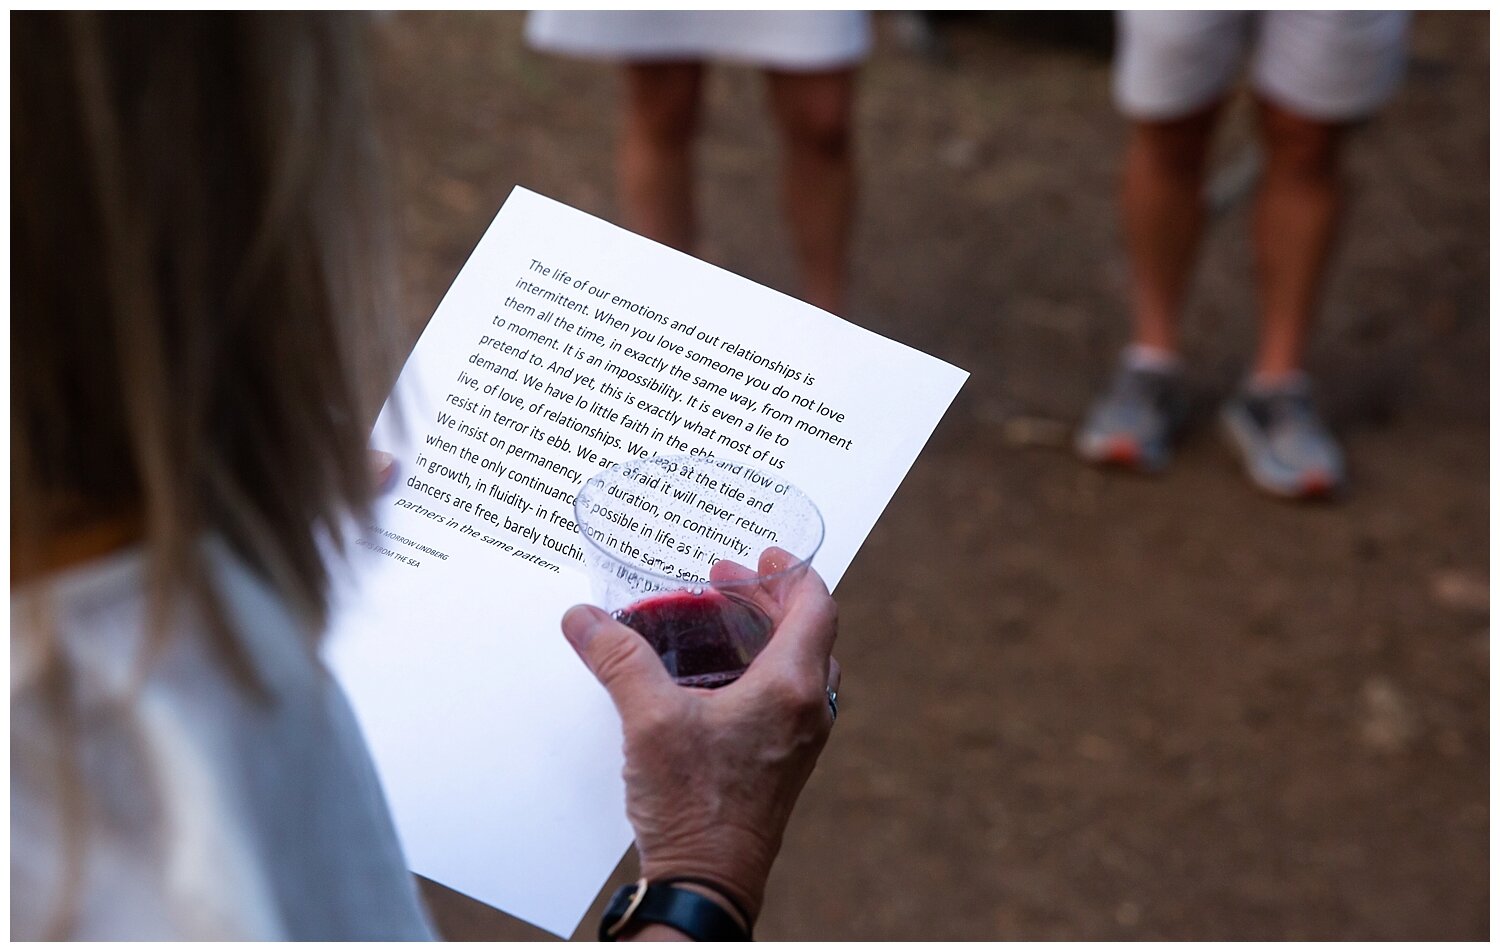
(772, 575)
(619, 657)
(776, 564)
(382, 469)
(766, 585)
(726, 571)
(802, 644)
(732, 578)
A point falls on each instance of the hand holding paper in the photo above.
(563, 346)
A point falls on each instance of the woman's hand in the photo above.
(711, 776)
(382, 470)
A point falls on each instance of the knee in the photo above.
(662, 105)
(1300, 148)
(820, 127)
(1178, 150)
(665, 121)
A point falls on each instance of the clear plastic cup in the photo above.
(653, 529)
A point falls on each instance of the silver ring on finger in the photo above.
(833, 702)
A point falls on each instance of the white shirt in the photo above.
(199, 810)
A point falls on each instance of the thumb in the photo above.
(619, 657)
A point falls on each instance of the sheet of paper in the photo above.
(564, 345)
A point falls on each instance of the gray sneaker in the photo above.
(1286, 449)
(1133, 422)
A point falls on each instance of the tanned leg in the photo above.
(1162, 200)
(1296, 220)
(814, 113)
(656, 150)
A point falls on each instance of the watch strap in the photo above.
(664, 903)
(717, 890)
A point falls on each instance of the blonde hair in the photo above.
(200, 323)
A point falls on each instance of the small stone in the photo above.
(1389, 725)
(458, 195)
(1451, 743)
(914, 31)
(1128, 914)
(1461, 591)
(1035, 431)
(960, 153)
(1096, 748)
(1441, 314)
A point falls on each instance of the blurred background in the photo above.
(1078, 704)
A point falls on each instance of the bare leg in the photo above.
(656, 150)
(1296, 218)
(814, 114)
(1163, 205)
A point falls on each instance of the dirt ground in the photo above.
(1081, 705)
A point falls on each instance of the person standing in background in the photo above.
(1314, 74)
(809, 59)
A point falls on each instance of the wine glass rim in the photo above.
(799, 563)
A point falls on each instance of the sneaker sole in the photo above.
(1120, 452)
(1279, 481)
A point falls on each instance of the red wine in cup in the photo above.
(706, 639)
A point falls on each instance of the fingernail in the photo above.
(384, 465)
(581, 623)
(776, 559)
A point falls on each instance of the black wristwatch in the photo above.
(663, 902)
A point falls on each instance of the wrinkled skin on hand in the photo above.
(711, 776)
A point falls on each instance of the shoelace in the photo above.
(1288, 408)
(1150, 388)
(1292, 423)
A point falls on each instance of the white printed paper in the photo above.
(567, 344)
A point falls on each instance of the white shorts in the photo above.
(794, 40)
(1322, 65)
